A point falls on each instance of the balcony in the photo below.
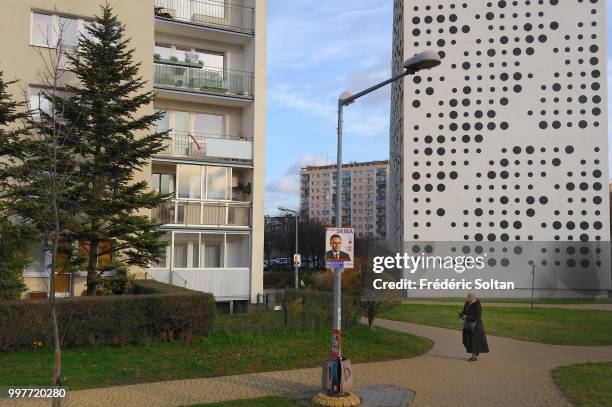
(212, 214)
(208, 147)
(216, 14)
(204, 80)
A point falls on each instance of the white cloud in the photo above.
(286, 184)
(284, 191)
(305, 160)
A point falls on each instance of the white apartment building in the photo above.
(505, 143)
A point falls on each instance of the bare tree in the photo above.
(43, 163)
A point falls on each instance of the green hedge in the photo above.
(156, 311)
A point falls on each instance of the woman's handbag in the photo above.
(469, 326)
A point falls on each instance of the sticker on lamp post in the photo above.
(297, 260)
(339, 248)
(336, 339)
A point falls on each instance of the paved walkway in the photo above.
(595, 306)
(515, 373)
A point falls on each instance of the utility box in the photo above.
(337, 376)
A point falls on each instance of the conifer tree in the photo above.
(14, 236)
(116, 141)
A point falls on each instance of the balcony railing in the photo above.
(203, 214)
(213, 13)
(205, 80)
(200, 146)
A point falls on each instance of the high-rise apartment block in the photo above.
(364, 196)
(206, 62)
(506, 141)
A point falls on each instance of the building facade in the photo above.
(206, 62)
(505, 142)
(364, 196)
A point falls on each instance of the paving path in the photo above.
(515, 373)
(595, 306)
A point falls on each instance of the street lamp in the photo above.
(424, 60)
(295, 265)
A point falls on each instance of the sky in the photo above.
(317, 50)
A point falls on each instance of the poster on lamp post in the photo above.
(339, 248)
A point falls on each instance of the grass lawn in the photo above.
(586, 385)
(218, 355)
(276, 401)
(545, 325)
(520, 300)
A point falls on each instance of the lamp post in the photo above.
(424, 60)
(295, 265)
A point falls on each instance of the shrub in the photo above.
(278, 279)
(309, 310)
(118, 284)
(324, 281)
(160, 312)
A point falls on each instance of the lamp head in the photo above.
(424, 60)
(345, 95)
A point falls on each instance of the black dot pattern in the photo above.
(506, 140)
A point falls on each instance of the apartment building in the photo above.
(206, 62)
(364, 196)
(503, 147)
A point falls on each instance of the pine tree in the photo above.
(115, 142)
(14, 236)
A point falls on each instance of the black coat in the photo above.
(474, 342)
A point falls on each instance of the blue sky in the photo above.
(316, 50)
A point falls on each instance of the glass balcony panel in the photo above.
(164, 214)
(205, 79)
(189, 213)
(214, 214)
(238, 216)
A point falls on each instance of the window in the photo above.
(212, 250)
(163, 184)
(68, 30)
(181, 53)
(104, 254)
(210, 60)
(38, 103)
(212, 124)
(164, 51)
(189, 181)
(182, 122)
(48, 29)
(186, 253)
(163, 123)
(84, 28)
(218, 183)
(163, 261)
(42, 30)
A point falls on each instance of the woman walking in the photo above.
(474, 338)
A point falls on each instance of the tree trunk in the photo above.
(57, 374)
(92, 269)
